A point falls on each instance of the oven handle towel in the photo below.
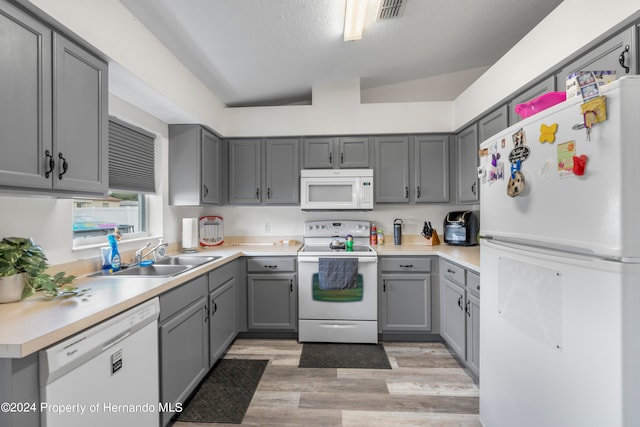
(338, 273)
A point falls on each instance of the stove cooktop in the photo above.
(332, 250)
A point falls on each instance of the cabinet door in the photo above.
(431, 157)
(406, 303)
(184, 354)
(354, 152)
(222, 328)
(547, 85)
(493, 123)
(318, 153)
(391, 172)
(605, 57)
(468, 191)
(80, 139)
(282, 172)
(245, 172)
(452, 317)
(472, 310)
(25, 99)
(211, 166)
(272, 301)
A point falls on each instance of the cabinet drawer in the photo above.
(453, 272)
(405, 264)
(221, 275)
(178, 298)
(274, 264)
(473, 283)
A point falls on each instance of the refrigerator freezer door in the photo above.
(593, 213)
(559, 344)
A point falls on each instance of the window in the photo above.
(131, 178)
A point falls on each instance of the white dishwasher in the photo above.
(106, 375)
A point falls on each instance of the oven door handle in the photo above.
(369, 259)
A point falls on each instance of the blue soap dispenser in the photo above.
(115, 255)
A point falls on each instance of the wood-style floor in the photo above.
(425, 387)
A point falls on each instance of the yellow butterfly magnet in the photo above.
(548, 133)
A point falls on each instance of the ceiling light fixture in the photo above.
(354, 16)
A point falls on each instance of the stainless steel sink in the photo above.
(167, 267)
(190, 260)
(153, 270)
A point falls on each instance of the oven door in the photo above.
(360, 303)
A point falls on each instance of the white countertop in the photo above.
(36, 322)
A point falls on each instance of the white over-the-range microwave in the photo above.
(336, 189)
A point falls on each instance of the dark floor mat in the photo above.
(329, 355)
(225, 395)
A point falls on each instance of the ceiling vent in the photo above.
(390, 9)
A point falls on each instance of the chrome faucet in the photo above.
(140, 256)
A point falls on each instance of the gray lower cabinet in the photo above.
(19, 379)
(223, 327)
(460, 312)
(405, 294)
(53, 109)
(329, 153)
(467, 161)
(184, 341)
(264, 172)
(272, 294)
(197, 166)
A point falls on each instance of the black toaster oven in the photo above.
(461, 228)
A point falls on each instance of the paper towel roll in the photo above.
(189, 233)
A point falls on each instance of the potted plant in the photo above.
(22, 272)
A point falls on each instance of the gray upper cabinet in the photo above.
(391, 172)
(493, 123)
(282, 172)
(329, 153)
(318, 153)
(197, 169)
(467, 161)
(431, 169)
(245, 172)
(606, 56)
(264, 172)
(53, 110)
(547, 85)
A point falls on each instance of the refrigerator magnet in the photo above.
(566, 153)
(548, 133)
(516, 185)
(579, 164)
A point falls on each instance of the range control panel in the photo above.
(336, 228)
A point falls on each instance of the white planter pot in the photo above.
(11, 288)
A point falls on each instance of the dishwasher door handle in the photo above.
(115, 340)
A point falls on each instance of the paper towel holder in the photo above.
(190, 235)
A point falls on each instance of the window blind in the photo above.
(131, 158)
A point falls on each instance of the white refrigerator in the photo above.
(560, 266)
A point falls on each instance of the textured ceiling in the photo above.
(271, 52)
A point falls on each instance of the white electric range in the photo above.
(337, 287)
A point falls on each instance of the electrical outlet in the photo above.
(267, 227)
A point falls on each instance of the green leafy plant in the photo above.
(19, 255)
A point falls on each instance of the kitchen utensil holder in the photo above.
(434, 239)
